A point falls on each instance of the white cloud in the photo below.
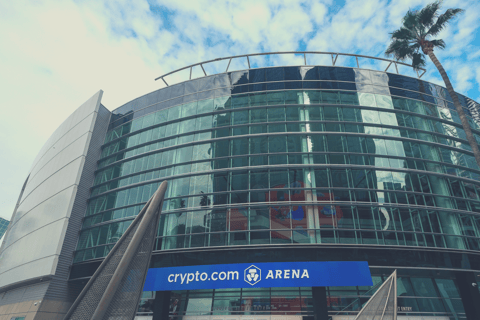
(55, 55)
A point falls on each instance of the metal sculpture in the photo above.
(383, 304)
(113, 292)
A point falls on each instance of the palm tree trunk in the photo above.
(466, 126)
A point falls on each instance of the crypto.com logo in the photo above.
(253, 275)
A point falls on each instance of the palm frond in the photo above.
(400, 49)
(439, 43)
(427, 15)
(403, 34)
(415, 46)
(443, 20)
(410, 20)
(418, 60)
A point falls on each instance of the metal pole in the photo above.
(386, 301)
(228, 64)
(191, 73)
(305, 58)
(395, 292)
(165, 82)
(388, 66)
(201, 65)
(150, 214)
(284, 52)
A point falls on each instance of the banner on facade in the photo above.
(260, 275)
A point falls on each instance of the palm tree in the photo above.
(418, 28)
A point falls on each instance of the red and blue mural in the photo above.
(294, 217)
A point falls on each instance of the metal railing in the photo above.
(334, 57)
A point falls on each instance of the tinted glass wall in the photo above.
(290, 155)
(417, 296)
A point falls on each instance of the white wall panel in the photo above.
(45, 213)
(79, 130)
(61, 162)
(60, 180)
(37, 245)
(91, 105)
(33, 244)
(31, 270)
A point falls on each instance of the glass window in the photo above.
(384, 101)
(199, 306)
(292, 73)
(240, 117)
(331, 113)
(275, 98)
(276, 114)
(221, 103)
(424, 287)
(259, 161)
(335, 143)
(278, 178)
(349, 98)
(202, 151)
(274, 74)
(184, 154)
(277, 127)
(331, 97)
(294, 143)
(447, 288)
(277, 143)
(366, 99)
(240, 180)
(388, 118)
(259, 179)
(180, 187)
(258, 115)
(294, 113)
(258, 145)
(240, 146)
(203, 123)
(205, 106)
(312, 97)
(317, 142)
(259, 218)
(200, 184)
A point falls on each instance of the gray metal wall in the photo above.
(54, 195)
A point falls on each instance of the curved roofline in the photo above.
(334, 56)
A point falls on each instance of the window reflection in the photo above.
(291, 130)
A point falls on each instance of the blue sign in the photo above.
(260, 275)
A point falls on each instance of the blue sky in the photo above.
(56, 54)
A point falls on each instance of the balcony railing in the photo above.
(333, 55)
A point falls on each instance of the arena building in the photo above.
(294, 191)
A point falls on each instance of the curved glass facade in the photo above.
(294, 156)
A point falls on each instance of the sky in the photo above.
(56, 54)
